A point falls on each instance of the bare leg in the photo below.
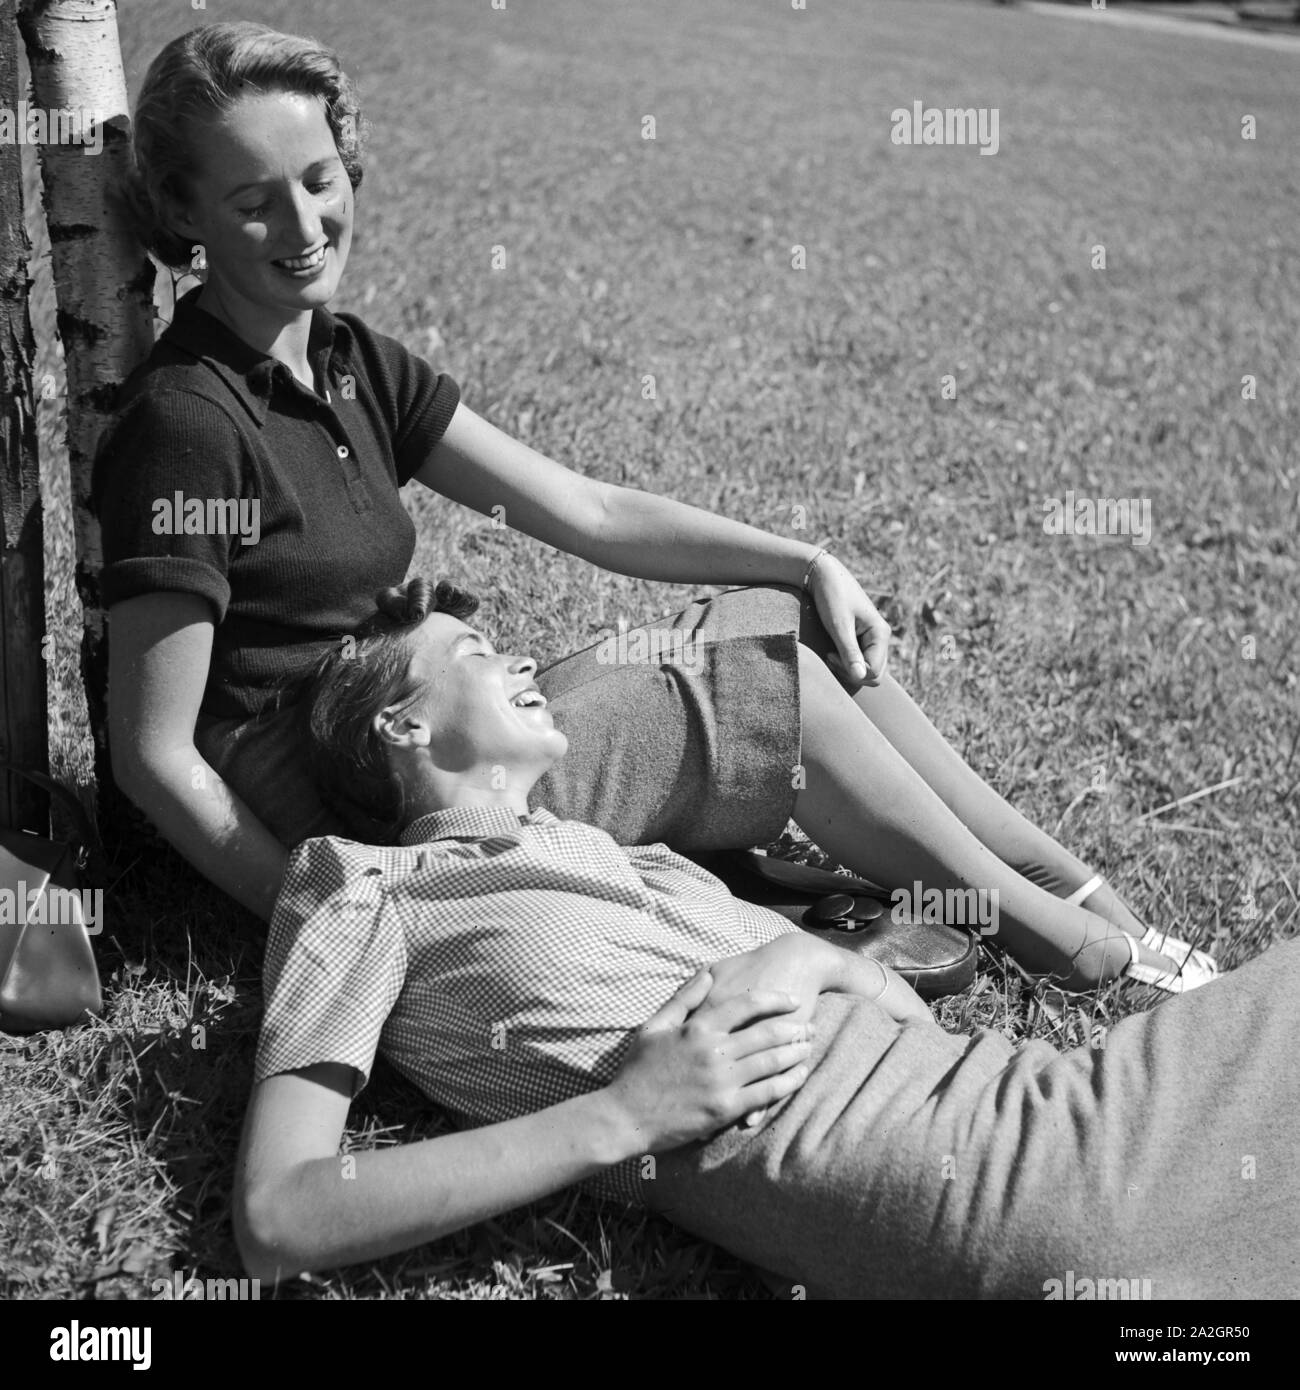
(994, 822)
(1015, 840)
(997, 824)
(873, 810)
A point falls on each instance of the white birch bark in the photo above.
(102, 276)
(22, 589)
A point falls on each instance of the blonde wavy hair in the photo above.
(198, 77)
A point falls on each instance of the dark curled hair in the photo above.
(201, 75)
(366, 672)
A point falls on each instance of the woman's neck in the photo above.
(284, 337)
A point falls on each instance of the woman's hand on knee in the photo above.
(859, 634)
(697, 1066)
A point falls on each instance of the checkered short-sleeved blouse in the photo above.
(500, 962)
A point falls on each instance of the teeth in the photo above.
(527, 698)
(304, 262)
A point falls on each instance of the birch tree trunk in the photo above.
(103, 279)
(22, 561)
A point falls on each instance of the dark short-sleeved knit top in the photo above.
(222, 476)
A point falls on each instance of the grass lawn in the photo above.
(1092, 680)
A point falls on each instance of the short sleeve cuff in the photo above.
(125, 579)
(276, 1054)
(413, 449)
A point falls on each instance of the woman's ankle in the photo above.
(1098, 962)
(1105, 903)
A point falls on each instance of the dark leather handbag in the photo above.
(48, 976)
(854, 913)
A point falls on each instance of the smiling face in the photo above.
(272, 206)
(479, 721)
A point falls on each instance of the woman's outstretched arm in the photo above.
(639, 533)
(693, 1069)
(159, 654)
(617, 528)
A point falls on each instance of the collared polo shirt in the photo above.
(222, 476)
(502, 963)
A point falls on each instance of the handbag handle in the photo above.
(83, 831)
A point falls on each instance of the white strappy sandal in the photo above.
(1195, 967)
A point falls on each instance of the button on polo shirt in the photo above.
(223, 476)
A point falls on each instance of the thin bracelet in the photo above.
(807, 574)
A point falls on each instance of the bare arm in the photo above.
(301, 1206)
(159, 655)
(617, 528)
(693, 1069)
(650, 537)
